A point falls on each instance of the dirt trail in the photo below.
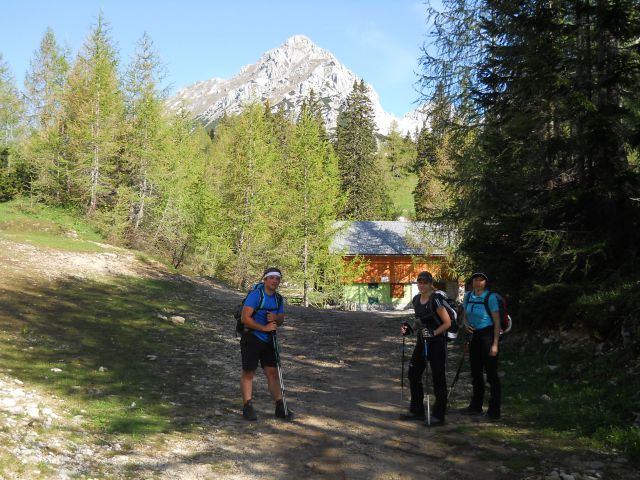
(342, 378)
(341, 373)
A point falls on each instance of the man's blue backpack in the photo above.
(240, 327)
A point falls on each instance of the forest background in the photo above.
(530, 156)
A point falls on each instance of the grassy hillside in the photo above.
(401, 192)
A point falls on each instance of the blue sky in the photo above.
(200, 39)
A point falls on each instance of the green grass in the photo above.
(592, 397)
(57, 228)
(401, 192)
(80, 326)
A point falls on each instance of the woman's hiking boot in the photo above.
(280, 411)
(248, 412)
(470, 411)
(413, 415)
(493, 415)
(435, 422)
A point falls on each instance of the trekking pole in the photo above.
(426, 380)
(402, 372)
(465, 347)
(279, 367)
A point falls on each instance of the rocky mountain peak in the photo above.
(285, 76)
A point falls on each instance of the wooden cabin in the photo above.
(394, 252)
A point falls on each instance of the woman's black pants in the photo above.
(481, 363)
(437, 356)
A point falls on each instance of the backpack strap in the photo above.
(414, 301)
(486, 304)
(465, 300)
(262, 299)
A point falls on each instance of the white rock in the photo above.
(177, 319)
(545, 398)
(15, 380)
(102, 369)
(33, 411)
(8, 402)
(17, 393)
(161, 317)
(56, 370)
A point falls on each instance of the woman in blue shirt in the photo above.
(483, 345)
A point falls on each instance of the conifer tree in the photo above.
(94, 117)
(312, 183)
(145, 131)
(312, 105)
(44, 89)
(249, 160)
(184, 222)
(12, 173)
(547, 190)
(361, 175)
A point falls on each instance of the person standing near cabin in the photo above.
(431, 325)
(257, 343)
(484, 330)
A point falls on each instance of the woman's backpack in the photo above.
(506, 322)
(452, 331)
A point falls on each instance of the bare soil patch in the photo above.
(342, 377)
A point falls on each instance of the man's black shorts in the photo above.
(254, 349)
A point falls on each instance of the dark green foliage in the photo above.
(545, 305)
(590, 395)
(612, 312)
(548, 191)
(356, 148)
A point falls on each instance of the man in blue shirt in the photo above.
(262, 314)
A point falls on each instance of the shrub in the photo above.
(613, 312)
(545, 305)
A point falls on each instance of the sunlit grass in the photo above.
(99, 335)
(49, 227)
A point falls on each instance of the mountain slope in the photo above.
(285, 76)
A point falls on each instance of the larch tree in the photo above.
(11, 116)
(146, 127)
(45, 83)
(94, 113)
(250, 160)
(312, 183)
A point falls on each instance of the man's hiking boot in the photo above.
(435, 422)
(470, 411)
(413, 416)
(248, 412)
(280, 411)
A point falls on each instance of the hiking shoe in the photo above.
(435, 422)
(470, 411)
(248, 412)
(493, 416)
(280, 412)
(413, 416)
